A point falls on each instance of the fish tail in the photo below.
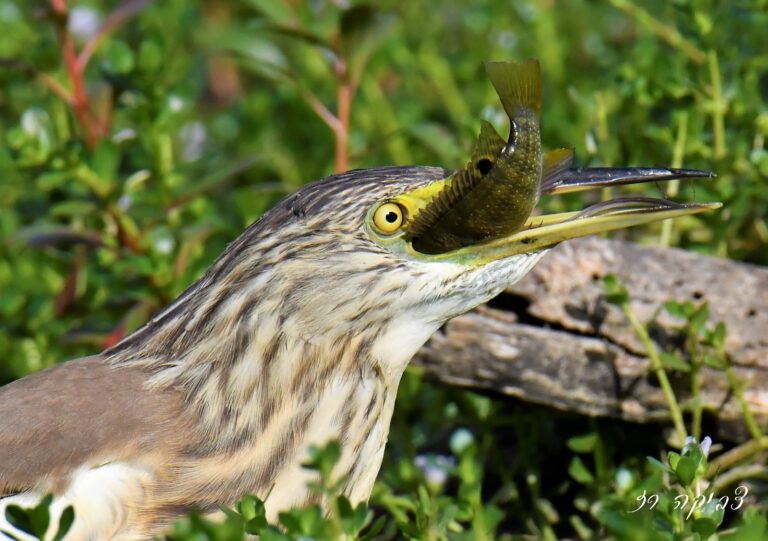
(518, 84)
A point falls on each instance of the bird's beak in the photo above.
(547, 230)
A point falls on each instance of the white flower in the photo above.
(705, 444)
(193, 137)
(83, 22)
(175, 103)
(435, 468)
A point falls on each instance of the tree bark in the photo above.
(554, 340)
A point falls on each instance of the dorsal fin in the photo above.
(555, 163)
(489, 143)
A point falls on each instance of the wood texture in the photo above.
(554, 340)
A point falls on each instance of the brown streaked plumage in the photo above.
(297, 334)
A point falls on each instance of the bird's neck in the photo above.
(262, 396)
(271, 365)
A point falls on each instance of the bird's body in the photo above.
(298, 334)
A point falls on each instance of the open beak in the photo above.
(547, 230)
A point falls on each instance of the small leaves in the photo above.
(118, 59)
(680, 310)
(708, 518)
(323, 459)
(583, 444)
(615, 292)
(692, 462)
(37, 520)
(673, 361)
(253, 512)
(578, 470)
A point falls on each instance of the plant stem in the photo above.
(736, 455)
(119, 16)
(718, 107)
(75, 70)
(747, 471)
(678, 152)
(697, 412)
(738, 390)
(658, 369)
(667, 33)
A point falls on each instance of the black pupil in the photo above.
(484, 166)
(391, 217)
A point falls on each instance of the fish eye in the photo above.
(388, 218)
(484, 166)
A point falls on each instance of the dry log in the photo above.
(554, 340)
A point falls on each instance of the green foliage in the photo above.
(342, 521)
(194, 118)
(36, 521)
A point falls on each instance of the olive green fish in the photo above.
(494, 194)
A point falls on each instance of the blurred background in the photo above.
(139, 138)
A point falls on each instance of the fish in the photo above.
(495, 192)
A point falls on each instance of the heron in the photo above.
(298, 334)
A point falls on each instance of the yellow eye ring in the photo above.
(388, 218)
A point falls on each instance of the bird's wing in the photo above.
(79, 413)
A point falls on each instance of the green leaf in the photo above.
(712, 511)
(615, 292)
(250, 507)
(686, 468)
(150, 55)
(718, 335)
(256, 525)
(579, 471)
(714, 362)
(290, 521)
(344, 507)
(699, 318)
(106, 159)
(65, 523)
(673, 458)
(583, 444)
(277, 11)
(323, 459)
(675, 309)
(704, 527)
(355, 24)
(73, 208)
(658, 464)
(33, 520)
(673, 361)
(375, 529)
(752, 526)
(118, 58)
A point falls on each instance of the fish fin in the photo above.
(555, 163)
(489, 143)
(518, 84)
(487, 147)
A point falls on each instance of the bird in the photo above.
(298, 334)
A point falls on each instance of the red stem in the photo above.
(75, 70)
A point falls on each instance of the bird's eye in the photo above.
(388, 218)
